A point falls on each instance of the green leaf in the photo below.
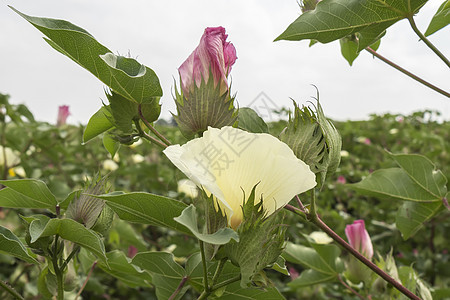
(188, 218)
(121, 268)
(349, 49)
(310, 277)
(280, 266)
(147, 208)
(250, 121)
(335, 19)
(423, 172)
(393, 183)
(440, 19)
(166, 273)
(323, 261)
(235, 292)
(72, 231)
(411, 216)
(111, 145)
(98, 123)
(126, 76)
(27, 193)
(11, 245)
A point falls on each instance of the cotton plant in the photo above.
(239, 182)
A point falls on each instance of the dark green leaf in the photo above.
(72, 231)
(250, 121)
(120, 267)
(97, 124)
(393, 183)
(188, 218)
(166, 273)
(235, 292)
(11, 245)
(111, 145)
(440, 19)
(126, 76)
(26, 193)
(411, 216)
(310, 277)
(335, 19)
(147, 208)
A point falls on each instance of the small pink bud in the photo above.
(63, 113)
(213, 54)
(359, 238)
(132, 251)
(341, 179)
(294, 273)
(367, 141)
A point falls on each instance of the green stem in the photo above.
(152, 129)
(205, 294)
(10, 290)
(427, 41)
(71, 255)
(218, 270)
(148, 137)
(407, 73)
(58, 273)
(205, 270)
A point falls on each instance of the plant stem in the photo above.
(427, 41)
(58, 272)
(350, 288)
(86, 281)
(205, 270)
(10, 290)
(180, 286)
(71, 255)
(144, 135)
(218, 270)
(317, 221)
(395, 66)
(152, 129)
(205, 294)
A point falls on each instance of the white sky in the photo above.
(162, 34)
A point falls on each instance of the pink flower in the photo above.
(359, 238)
(63, 113)
(341, 179)
(367, 141)
(132, 251)
(213, 54)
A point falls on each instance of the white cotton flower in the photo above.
(135, 144)
(20, 171)
(12, 156)
(393, 131)
(116, 158)
(229, 162)
(137, 158)
(344, 153)
(320, 237)
(110, 165)
(188, 187)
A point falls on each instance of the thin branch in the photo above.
(219, 269)
(11, 290)
(205, 270)
(395, 66)
(427, 41)
(144, 135)
(86, 281)
(152, 129)
(350, 288)
(179, 288)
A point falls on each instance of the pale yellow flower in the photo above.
(20, 171)
(12, 156)
(137, 158)
(188, 187)
(320, 237)
(229, 162)
(110, 165)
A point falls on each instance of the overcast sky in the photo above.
(162, 34)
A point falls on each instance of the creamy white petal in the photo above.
(229, 162)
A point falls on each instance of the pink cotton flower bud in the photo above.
(63, 113)
(214, 55)
(341, 179)
(359, 238)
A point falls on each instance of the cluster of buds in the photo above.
(204, 98)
